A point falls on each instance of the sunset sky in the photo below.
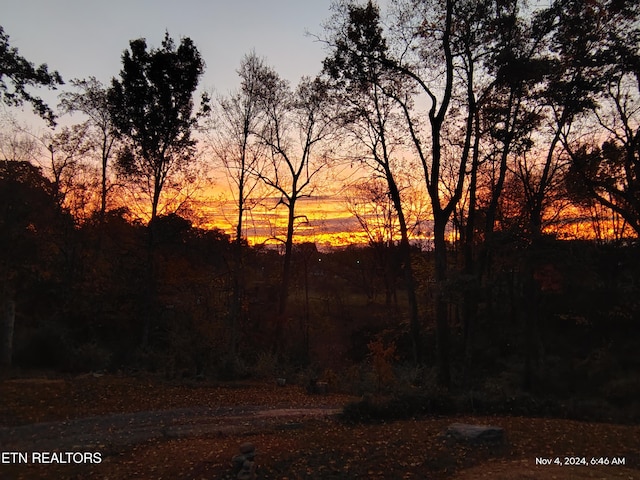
(82, 39)
(85, 38)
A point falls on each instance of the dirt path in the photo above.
(115, 431)
(149, 429)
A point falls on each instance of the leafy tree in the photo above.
(588, 45)
(434, 44)
(151, 108)
(607, 170)
(297, 125)
(18, 145)
(91, 99)
(30, 223)
(233, 126)
(17, 74)
(66, 151)
(62, 156)
(370, 204)
(516, 66)
(369, 92)
(610, 175)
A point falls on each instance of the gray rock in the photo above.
(244, 464)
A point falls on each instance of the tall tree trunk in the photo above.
(407, 268)
(149, 300)
(103, 189)
(470, 296)
(305, 326)
(237, 272)
(442, 311)
(286, 277)
(414, 319)
(530, 315)
(237, 282)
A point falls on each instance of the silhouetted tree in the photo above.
(30, 222)
(607, 170)
(297, 126)
(585, 48)
(610, 175)
(370, 203)
(66, 151)
(516, 65)
(234, 141)
(91, 100)
(233, 126)
(17, 74)
(368, 91)
(434, 43)
(151, 107)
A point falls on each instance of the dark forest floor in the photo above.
(146, 428)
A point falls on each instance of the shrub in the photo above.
(150, 360)
(266, 365)
(232, 368)
(89, 357)
(44, 347)
(623, 391)
(382, 358)
(410, 375)
(398, 407)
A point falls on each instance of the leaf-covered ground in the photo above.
(307, 447)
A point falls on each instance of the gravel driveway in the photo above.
(112, 432)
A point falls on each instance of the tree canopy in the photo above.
(17, 74)
(151, 107)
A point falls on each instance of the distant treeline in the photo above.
(557, 317)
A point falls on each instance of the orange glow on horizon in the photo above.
(327, 222)
(589, 223)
